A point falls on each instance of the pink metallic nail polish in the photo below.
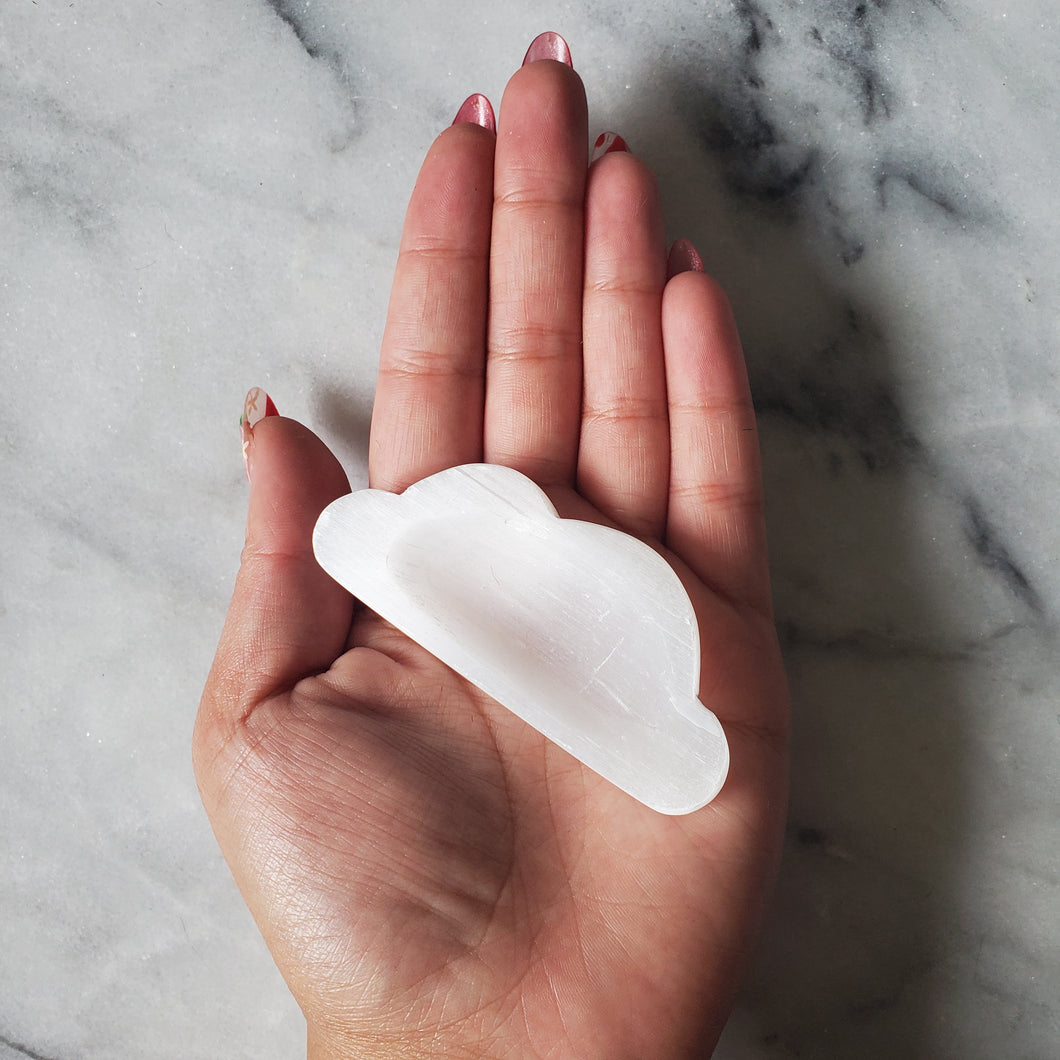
(476, 110)
(606, 143)
(256, 406)
(683, 258)
(548, 45)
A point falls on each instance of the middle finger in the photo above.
(533, 368)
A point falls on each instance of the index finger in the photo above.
(429, 395)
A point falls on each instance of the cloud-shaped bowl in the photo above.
(582, 631)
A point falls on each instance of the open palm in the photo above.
(433, 877)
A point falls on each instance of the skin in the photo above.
(431, 875)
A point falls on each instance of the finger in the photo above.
(429, 396)
(715, 519)
(624, 454)
(533, 392)
(287, 619)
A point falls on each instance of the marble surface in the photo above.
(196, 198)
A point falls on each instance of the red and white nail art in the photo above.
(256, 406)
(606, 143)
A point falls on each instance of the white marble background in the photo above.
(202, 196)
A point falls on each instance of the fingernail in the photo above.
(476, 110)
(548, 46)
(256, 406)
(683, 258)
(606, 143)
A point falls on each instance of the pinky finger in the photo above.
(715, 520)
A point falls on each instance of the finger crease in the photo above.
(427, 364)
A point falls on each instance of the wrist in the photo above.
(321, 1046)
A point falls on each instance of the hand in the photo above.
(431, 875)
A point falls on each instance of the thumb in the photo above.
(288, 619)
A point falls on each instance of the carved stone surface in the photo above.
(583, 631)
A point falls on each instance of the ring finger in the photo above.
(623, 463)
